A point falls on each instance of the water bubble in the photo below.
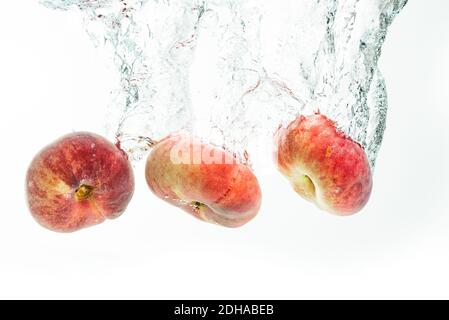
(255, 64)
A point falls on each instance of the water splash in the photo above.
(152, 43)
(281, 59)
(256, 65)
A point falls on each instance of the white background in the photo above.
(53, 81)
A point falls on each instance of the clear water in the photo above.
(255, 65)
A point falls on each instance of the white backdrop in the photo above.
(53, 81)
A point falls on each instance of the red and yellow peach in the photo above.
(324, 165)
(203, 180)
(79, 181)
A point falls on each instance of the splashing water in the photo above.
(152, 45)
(281, 59)
(259, 65)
